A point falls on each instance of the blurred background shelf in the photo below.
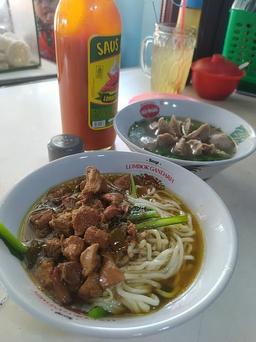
(46, 70)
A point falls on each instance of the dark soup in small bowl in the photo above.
(182, 138)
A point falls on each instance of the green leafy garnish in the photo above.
(133, 187)
(97, 312)
(162, 222)
(143, 215)
(16, 247)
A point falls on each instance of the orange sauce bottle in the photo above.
(88, 39)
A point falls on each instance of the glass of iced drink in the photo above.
(172, 53)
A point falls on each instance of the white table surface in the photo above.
(30, 116)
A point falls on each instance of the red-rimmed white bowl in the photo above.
(218, 231)
(230, 123)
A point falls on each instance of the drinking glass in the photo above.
(172, 54)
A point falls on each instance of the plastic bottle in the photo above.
(87, 38)
(192, 14)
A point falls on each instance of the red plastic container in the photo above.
(215, 78)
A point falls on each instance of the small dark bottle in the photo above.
(64, 145)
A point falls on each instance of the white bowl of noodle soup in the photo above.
(218, 238)
(238, 130)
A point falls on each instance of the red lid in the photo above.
(218, 65)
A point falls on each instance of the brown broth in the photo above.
(190, 268)
(141, 130)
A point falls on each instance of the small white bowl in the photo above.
(231, 124)
(218, 230)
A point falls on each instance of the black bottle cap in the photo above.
(63, 145)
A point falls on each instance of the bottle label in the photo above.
(103, 79)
